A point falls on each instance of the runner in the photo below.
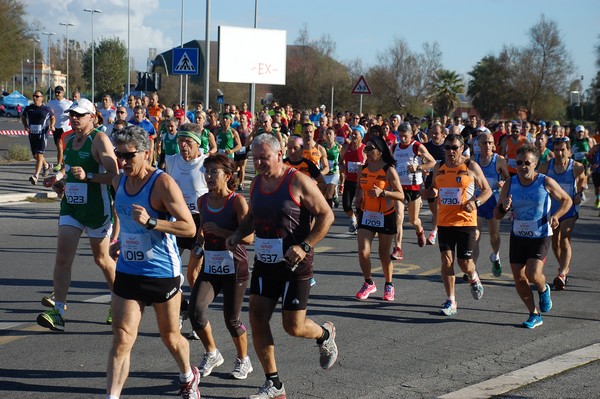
(152, 211)
(528, 197)
(570, 175)
(496, 173)
(332, 178)
(221, 212)
(90, 165)
(435, 146)
(354, 156)
(455, 180)
(379, 186)
(411, 158)
(37, 119)
(282, 201)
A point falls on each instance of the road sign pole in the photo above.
(360, 106)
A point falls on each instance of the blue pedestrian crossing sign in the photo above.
(185, 61)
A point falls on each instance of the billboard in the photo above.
(248, 55)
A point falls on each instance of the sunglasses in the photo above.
(36, 96)
(121, 112)
(561, 140)
(126, 155)
(76, 114)
(526, 163)
(452, 147)
(371, 148)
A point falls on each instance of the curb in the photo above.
(20, 197)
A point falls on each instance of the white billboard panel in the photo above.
(248, 55)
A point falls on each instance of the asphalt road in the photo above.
(403, 349)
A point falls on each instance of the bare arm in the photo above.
(236, 141)
(580, 181)
(504, 202)
(428, 162)
(558, 194)
(324, 161)
(481, 182)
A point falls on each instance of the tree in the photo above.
(58, 54)
(487, 87)
(402, 78)
(110, 66)
(311, 71)
(446, 87)
(14, 41)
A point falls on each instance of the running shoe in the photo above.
(57, 168)
(432, 238)
(51, 319)
(597, 204)
(268, 391)
(313, 282)
(48, 301)
(448, 308)
(496, 266)
(421, 238)
(109, 316)
(46, 169)
(366, 290)
(33, 180)
(397, 254)
(533, 321)
(560, 282)
(545, 300)
(190, 390)
(241, 368)
(477, 289)
(240, 187)
(192, 336)
(209, 362)
(336, 202)
(328, 351)
(388, 292)
(352, 227)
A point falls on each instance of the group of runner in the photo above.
(304, 161)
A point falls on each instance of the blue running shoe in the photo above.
(448, 308)
(533, 321)
(545, 300)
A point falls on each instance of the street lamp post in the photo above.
(93, 11)
(34, 40)
(49, 64)
(67, 24)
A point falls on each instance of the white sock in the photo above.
(61, 306)
(112, 397)
(474, 278)
(187, 377)
(452, 298)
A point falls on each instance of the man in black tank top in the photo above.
(282, 200)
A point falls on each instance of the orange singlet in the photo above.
(455, 187)
(377, 178)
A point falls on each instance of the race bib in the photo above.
(242, 151)
(269, 250)
(190, 200)
(218, 262)
(372, 219)
(512, 163)
(353, 167)
(450, 195)
(526, 228)
(76, 193)
(136, 247)
(578, 156)
(35, 129)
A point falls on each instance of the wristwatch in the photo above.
(89, 176)
(150, 224)
(477, 203)
(305, 246)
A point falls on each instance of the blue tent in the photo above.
(15, 98)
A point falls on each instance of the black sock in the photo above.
(275, 378)
(369, 281)
(324, 336)
(389, 284)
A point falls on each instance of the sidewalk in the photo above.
(15, 185)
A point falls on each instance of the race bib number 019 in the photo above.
(136, 247)
(269, 250)
(76, 193)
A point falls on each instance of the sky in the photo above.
(466, 30)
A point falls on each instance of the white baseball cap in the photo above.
(82, 106)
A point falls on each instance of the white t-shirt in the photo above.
(59, 108)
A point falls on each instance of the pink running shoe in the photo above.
(365, 291)
(388, 294)
(397, 254)
(421, 238)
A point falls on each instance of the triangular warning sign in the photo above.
(185, 64)
(361, 87)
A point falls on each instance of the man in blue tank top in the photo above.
(527, 196)
(570, 175)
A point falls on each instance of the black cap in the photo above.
(59, 89)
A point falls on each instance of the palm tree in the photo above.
(446, 87)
